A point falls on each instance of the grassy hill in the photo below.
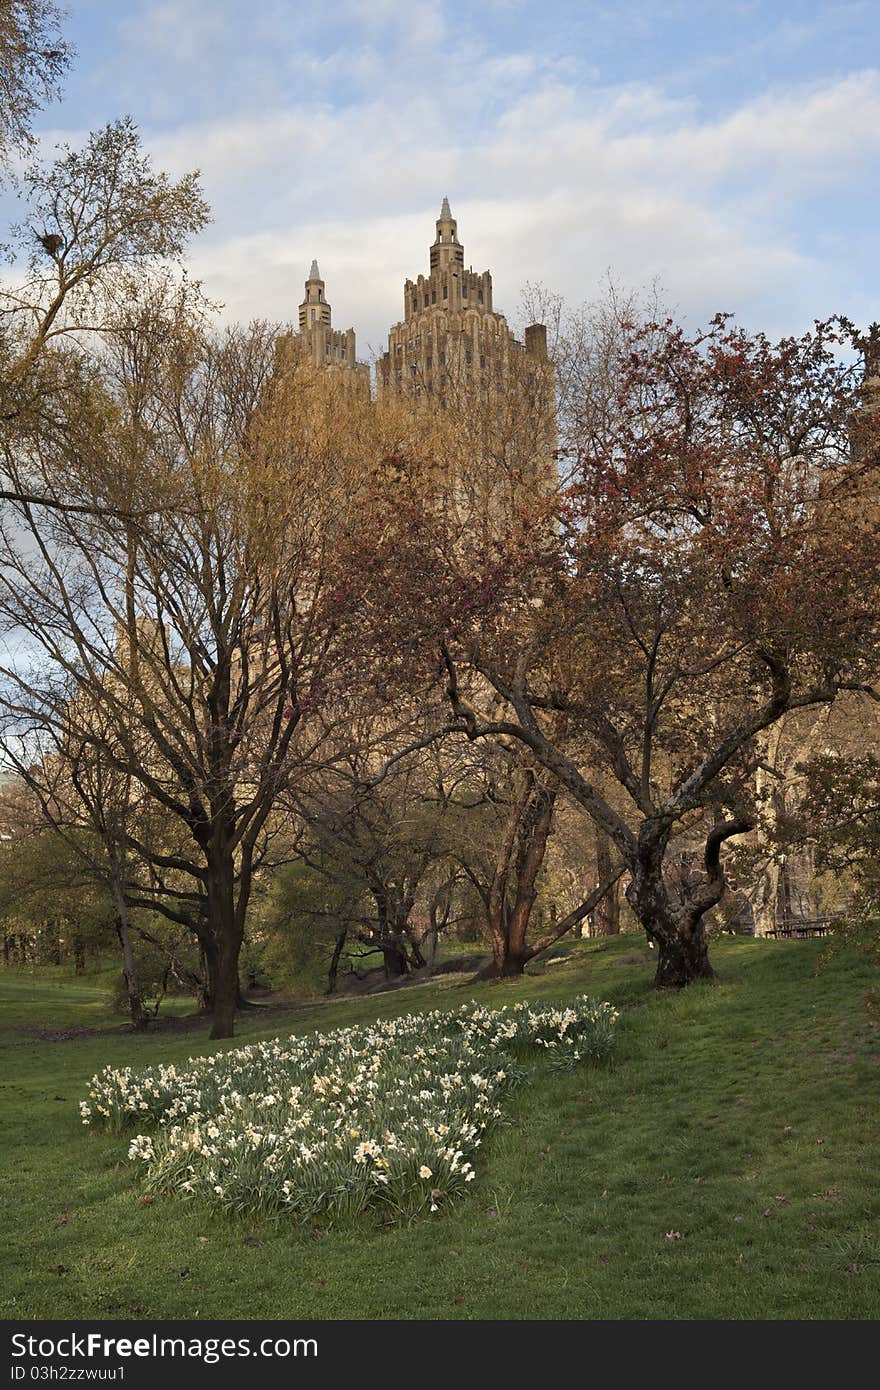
(724, 1167)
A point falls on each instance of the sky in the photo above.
(728, 152)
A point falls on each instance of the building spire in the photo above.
(314, 273)
(447, 250)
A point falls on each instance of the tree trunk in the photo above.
(54, 934)
(536, 828)
(224, 944)
(505, 965)
(392, 940)
(394, 957)
(225, 991)
(683, 959)
(766, 908)
(428, 943)
(334, 962)
(204, 998)
(672, 907)
(139, 1016)
(512, 892)
(607, 913)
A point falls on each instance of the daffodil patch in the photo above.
(389, 1114)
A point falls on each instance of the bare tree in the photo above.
(190, 622)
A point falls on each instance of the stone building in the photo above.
(325, 345)
(451, 342)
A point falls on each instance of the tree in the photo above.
(52, 909)
(88, 804)
(34, 56)
(187, 619)
(375, 817)
(504, 862)
(95, 216)
(839, 819)
(703, 573)
(102, 228)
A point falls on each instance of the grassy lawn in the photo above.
(724, 1167)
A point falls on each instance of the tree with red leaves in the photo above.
(706, 569)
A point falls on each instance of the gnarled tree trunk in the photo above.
(673, 913)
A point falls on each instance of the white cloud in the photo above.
(334, 132)
(556, 189)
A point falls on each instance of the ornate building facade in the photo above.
(451, 343)
(451, 340)
(325, 345)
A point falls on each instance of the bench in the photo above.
(802, 928)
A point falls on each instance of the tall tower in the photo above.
(325, 345)
(447, 250)
(314, 310)
(451, 343)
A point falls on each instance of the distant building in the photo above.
(325, 345)
(451, 342)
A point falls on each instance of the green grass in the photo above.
(743, 1116)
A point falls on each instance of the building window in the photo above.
(469, 357)
(314, 311)
(427, 301)
(433, 296)
(429, 362)
(464, 291)
(482, 360)
(445, 291)
(442, 359)
(479, 296)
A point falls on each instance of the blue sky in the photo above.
(729, 151)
